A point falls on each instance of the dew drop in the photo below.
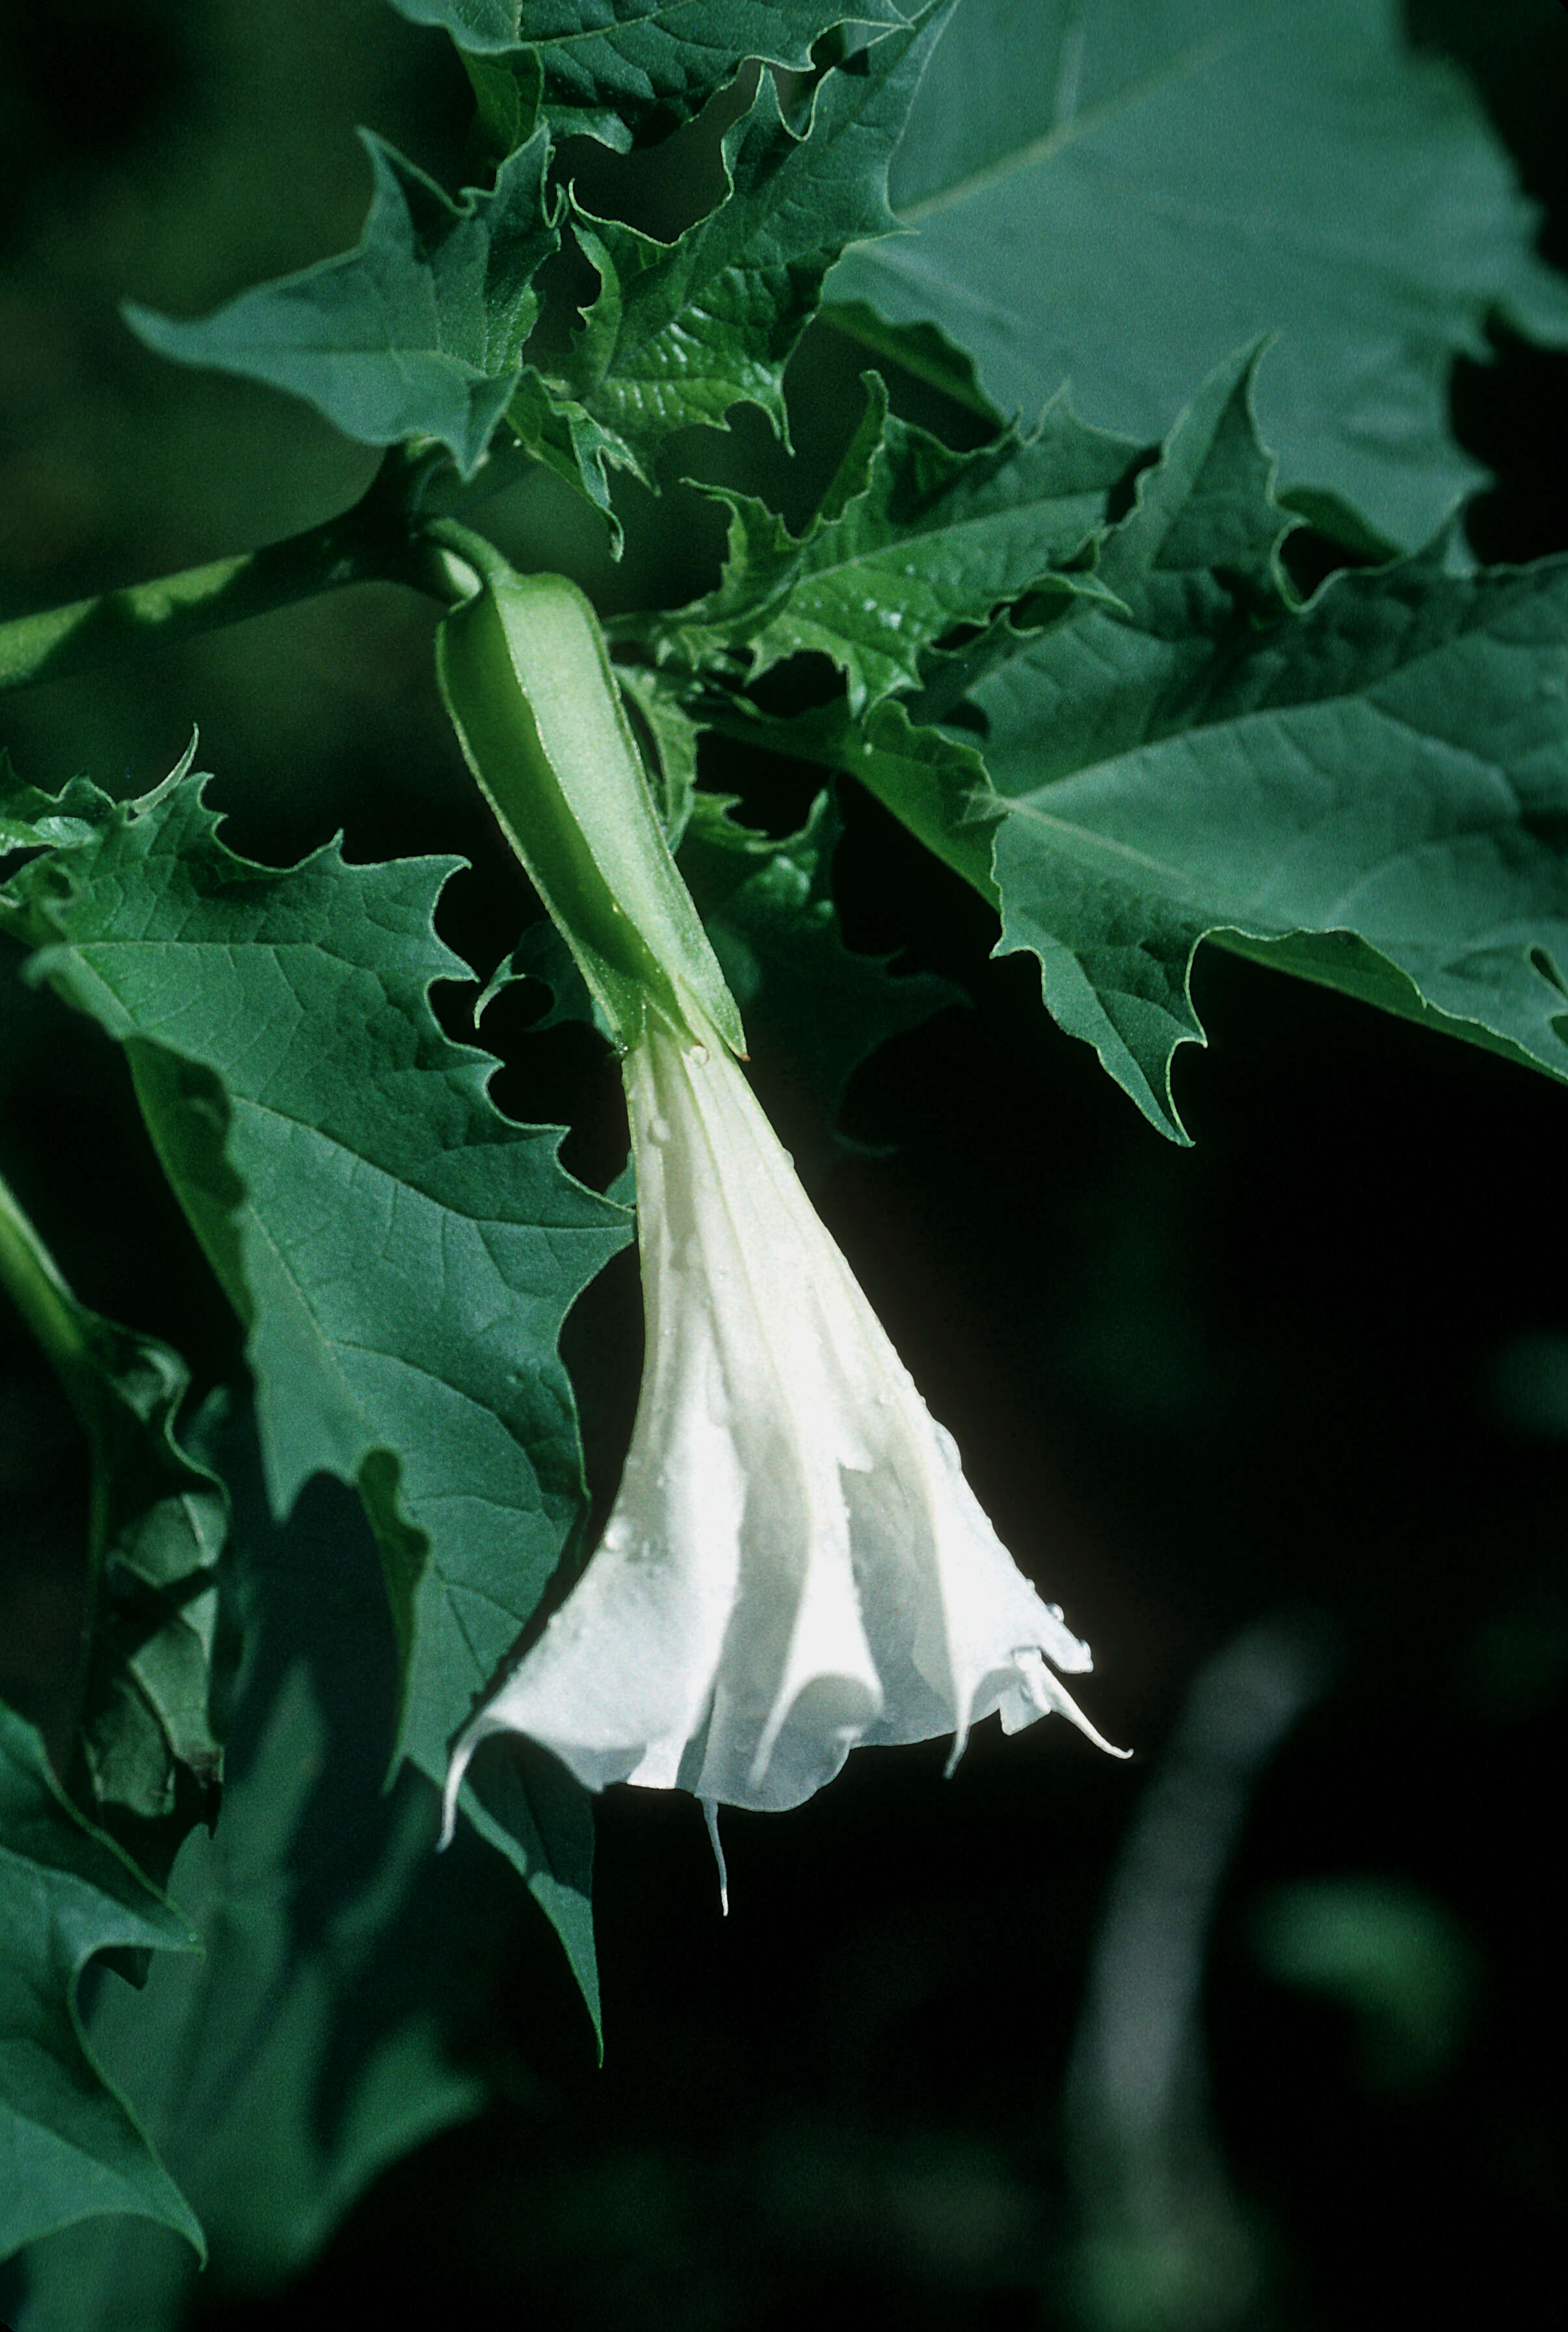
(699, 1054)
(658, 1128)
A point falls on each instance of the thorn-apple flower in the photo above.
(795, 1563)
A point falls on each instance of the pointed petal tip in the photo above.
(711, 1816)
(454, 1772)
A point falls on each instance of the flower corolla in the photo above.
(794, 1562)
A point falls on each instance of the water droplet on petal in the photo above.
(658, 1128)
(699, 1054)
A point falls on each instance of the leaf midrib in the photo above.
(1093, 842)
(1061, 135)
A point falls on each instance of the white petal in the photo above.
(794, 1562)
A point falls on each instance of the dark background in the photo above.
(1296, 1398)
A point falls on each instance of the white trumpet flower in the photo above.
(795, 1563)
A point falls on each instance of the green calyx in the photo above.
(527, 682)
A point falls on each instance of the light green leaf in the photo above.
(909, 540)
(341, 2010)
(418, 332)
(1372, 791)
(601, 68)
(402, 1254)
(69, 2146)
(1117, 195)
(683, 330)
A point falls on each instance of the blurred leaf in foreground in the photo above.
(69, 2144)
(340, 2012)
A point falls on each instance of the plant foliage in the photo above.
(1026, 579)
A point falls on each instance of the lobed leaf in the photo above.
(402, 1254)
(605, 68)
(680, 332)
(909, 540)
(1117, 196)
(1372, 790)
(418, 332)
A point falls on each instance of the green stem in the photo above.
(383, 539)
(370, 543)
(32, 1279)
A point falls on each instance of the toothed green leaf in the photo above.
(418, 332)
(1115, 197)
(1370, 791)
(909, 540)
(601, 68)
(680, 332)
(402, 1254)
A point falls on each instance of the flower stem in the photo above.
(378, 540)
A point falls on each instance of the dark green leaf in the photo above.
(909, 540)
(683, 330)
(402, 1254)
(1372, 790)
(921, 349)
(602, 67)
(1115, 197)
(69, 2145)
(418, 332)
(482, 25)
(154, 1709)
(342, 2008)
